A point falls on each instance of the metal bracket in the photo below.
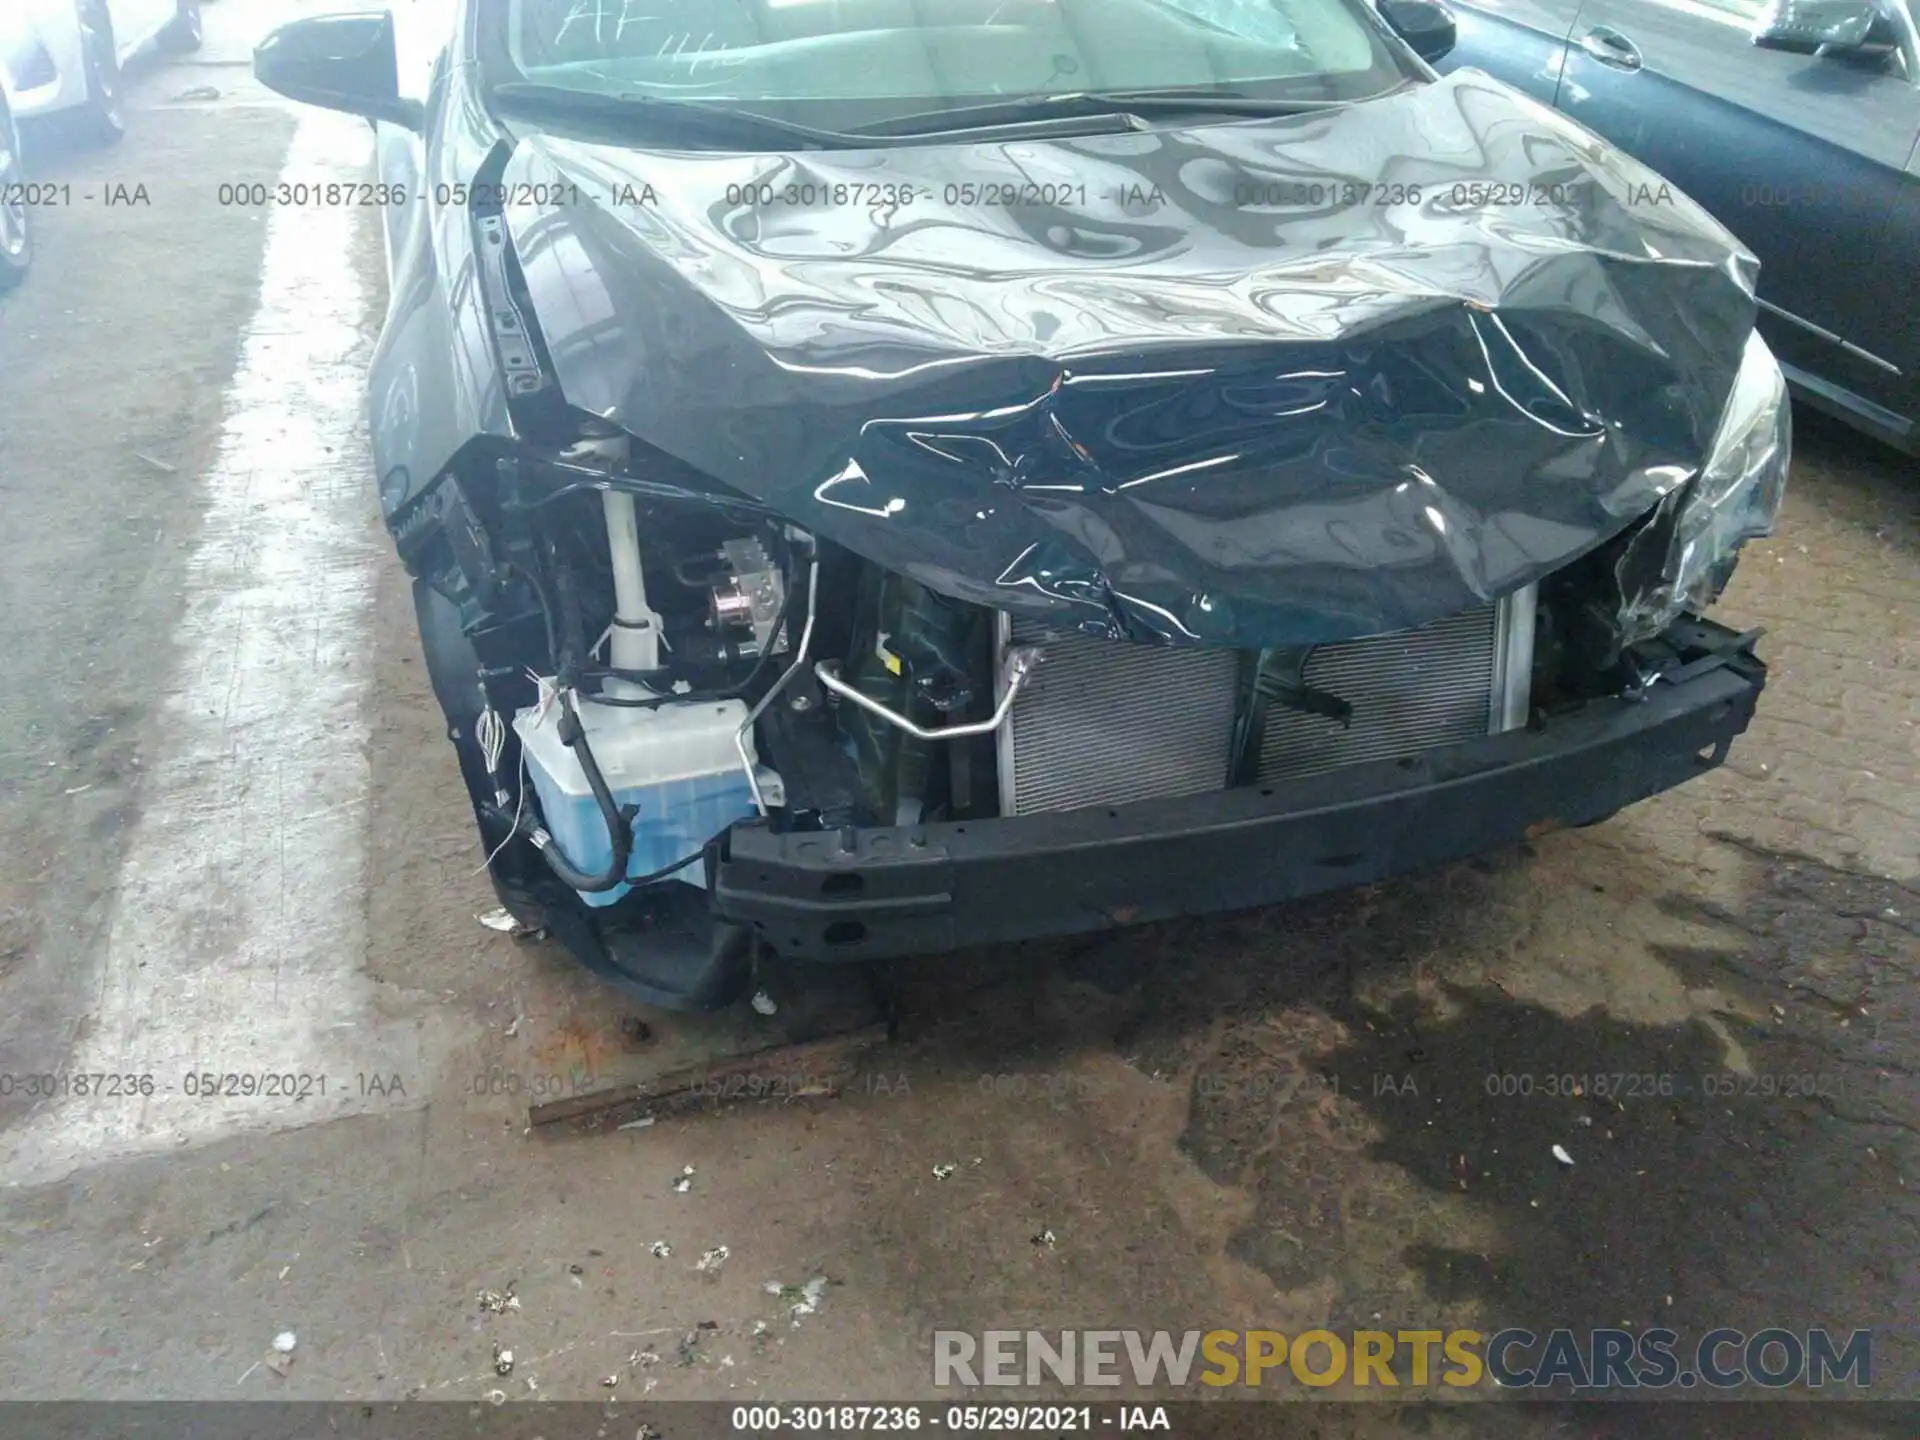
(1722, 654)
(741, 736)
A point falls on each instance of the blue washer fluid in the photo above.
(676, 762)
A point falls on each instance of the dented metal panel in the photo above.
(1271, 382)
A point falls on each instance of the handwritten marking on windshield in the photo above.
(598, 13)
(678, 45)
(596, 18)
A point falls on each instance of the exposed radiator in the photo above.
(1104, 722)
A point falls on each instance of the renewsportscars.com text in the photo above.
(1511, 1358)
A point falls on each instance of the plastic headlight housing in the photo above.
(1735, 498)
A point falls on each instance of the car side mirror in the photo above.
(339, 62)
(1426, 25)
(1812, 26)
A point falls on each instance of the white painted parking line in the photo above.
(238, 939)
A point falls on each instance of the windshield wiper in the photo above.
(1139, 104)
(634, 112)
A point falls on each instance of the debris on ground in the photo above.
(764, 1004)
(809, 1302)
(828, 1062)
(645, 1359)
(285, 1341)
(513, 1028)
(498, 1302)
(502, 919)
(660, 1250)
(161, 465)
(713, 1259)
(642, 1123)
(800, 1300)
(1560, 1154)
(1584, 1121)
(1045, 1238)
(495, 1397)
(502, 1361)
(941, 1172)
(611, 1381)
(683, 1182)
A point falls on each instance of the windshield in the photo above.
(840, 64)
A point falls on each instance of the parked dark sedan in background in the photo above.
(1797, 124)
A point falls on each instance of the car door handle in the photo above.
(1610, 47)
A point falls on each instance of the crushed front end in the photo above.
(846, 606)
(1110, 783)
(696, 732)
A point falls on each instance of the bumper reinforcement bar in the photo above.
(911, 890)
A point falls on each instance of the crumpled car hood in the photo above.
(1257, 383)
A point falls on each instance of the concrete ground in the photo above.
(237, 844)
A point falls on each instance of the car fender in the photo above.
(49, 25)
(435, 383)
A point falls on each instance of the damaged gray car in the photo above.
(883, 478)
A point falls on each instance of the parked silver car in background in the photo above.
(61, 59)
(1795, 122)
(64, 56)
(16, 214)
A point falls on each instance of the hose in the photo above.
(640, 882)
(563, 631)
(619, 820)
(619, 824)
